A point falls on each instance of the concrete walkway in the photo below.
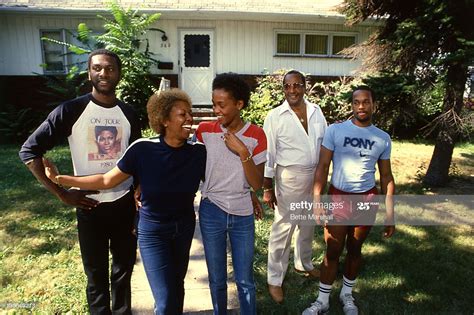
(197, 298)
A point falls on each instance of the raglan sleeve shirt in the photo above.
(55, 129)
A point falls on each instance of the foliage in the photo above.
(60, 88)
(404, 104)
(421, 35)
(148, 133)
(124, 35)
(267, 95)
(17, 124)
(332, 97)
(429, 39)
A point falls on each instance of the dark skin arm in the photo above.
(257, 207)
(137, 195)
(320, 180)
(387, 184)
(269, 193)
(71, 197)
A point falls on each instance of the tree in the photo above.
(428, 38)
(124, 35)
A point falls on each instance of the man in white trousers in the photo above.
(294, 133)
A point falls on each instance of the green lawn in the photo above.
(39, 254)
(420, 270)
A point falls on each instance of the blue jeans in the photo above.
(215, 225)
(164, 248)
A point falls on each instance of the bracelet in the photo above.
(56, 180)
(247, 159)
(267, 189)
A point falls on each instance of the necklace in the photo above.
(301, 119)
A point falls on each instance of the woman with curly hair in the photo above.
(169, 169)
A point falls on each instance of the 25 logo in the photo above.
(363, 206)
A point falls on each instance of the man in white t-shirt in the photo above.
(105, 219)
(294, 133)
(354, 147)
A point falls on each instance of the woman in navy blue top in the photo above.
(169, 169)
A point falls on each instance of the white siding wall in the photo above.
(245, 47)
(20, 44)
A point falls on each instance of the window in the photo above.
(197, 51)
(318, 44)
(341, 42)
(288, 43)
(54, 55)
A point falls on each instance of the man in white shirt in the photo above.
(294, 133)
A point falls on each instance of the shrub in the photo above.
(332, 97)
(60, 88)
(268, 94)
(125, 35)
(404, 104)
(17, 124)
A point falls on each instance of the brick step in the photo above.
(197, 120)
(203, 112)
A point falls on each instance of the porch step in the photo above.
(201, 111)
(199, 119)
(202, 114)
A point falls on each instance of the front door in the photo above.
(197, 64)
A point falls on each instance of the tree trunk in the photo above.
(438, 171)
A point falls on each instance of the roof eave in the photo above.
(197, 14)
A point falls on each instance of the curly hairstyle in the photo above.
(363, 88)
(233, 84)
(159, 107)
(104, 52)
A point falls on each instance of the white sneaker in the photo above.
(317, 308)
(348, 305)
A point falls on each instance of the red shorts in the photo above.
(354, 209)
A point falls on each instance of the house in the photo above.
(195, 40)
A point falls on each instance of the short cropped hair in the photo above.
(98, 130)
(363, 88)
(233, 84)
(159, 107)
(303, 78)
(105, 52)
